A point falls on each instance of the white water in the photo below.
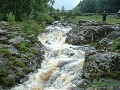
(62, 65)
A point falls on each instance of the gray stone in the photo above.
(87, 34)
(4, 23)
(3, 32)
(31, 37)
(16, 40)
(101, 65)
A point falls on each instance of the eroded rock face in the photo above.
(16, 62)
(101, 65)
(87, 34)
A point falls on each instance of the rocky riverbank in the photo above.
(19, 55)
(101, 69)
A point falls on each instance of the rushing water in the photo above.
(62, 64)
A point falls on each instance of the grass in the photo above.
(110, 18)
(5, 52)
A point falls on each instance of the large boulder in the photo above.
(16, 40)
(3, 32)
(101, 65)
(109, 38)
(87, 34)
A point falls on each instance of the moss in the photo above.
(10, 64)
(19, 64)
(12, 58)
(26, 70)
(9, 81)
(29, 55)
(5, 52)
(116, 45)
(114, 74)
(22, 47)
(34, 51)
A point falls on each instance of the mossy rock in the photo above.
(19, 64)
(5, 52)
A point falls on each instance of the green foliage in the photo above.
(116, 45)
(31, 27)
(5, 52)
(44, 17)
(11, 17)
(111, 6)
(19, 64)
(22, 9)
(89, 6)
(92, 6)
(9, 81)
(22, 47)
(2, 17)
(2, 72)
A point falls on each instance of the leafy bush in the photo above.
(31, 27)
(44, 17)
(11, 18)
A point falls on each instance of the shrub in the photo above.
(11, 18)
(31, 27)
(44, 17)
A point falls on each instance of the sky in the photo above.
(68, 4)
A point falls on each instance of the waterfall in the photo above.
(62, 64)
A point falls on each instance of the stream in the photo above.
(62, 64)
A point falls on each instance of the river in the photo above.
(62, 64)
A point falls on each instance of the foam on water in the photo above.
(62, 64)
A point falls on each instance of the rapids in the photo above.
(62, 64)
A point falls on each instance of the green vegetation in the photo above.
(5, 52)
(116, 45)
(93, 6)
(22, 47)
(11, 18)
(31, 27)
(110, 19)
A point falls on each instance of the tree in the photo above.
(63, 10)
(89, 6)
(22, 9)
(111, 6)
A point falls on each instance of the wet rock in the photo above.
(107, 42)
(4, 23)
(10, 48)
(63, 63)
(87, 34)
(3, 62)
(16, 40)
(3, 32)
(31, 37)
(102, 65)
(3, 39)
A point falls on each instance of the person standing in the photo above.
(104, 16)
